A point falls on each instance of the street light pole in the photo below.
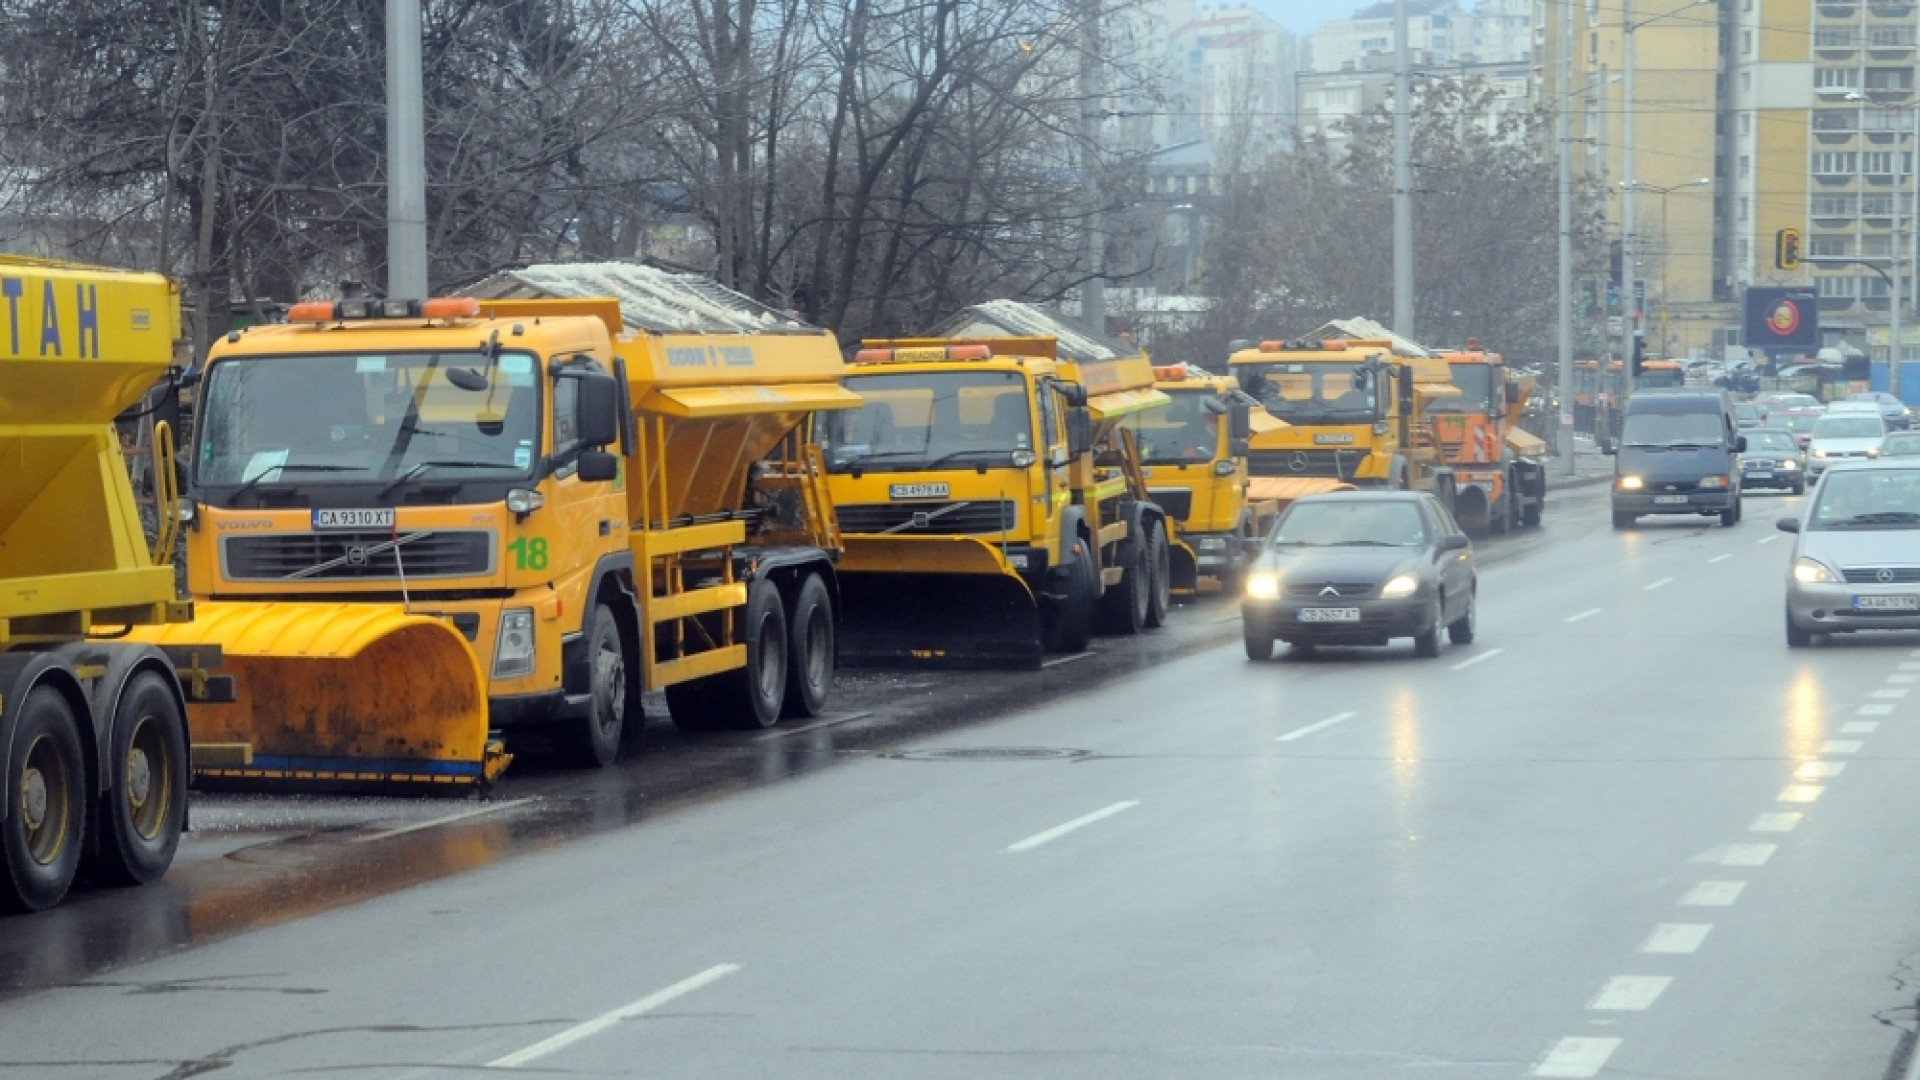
(406, 154)
(1403, 318)
(1629, 325)
(1565, 376)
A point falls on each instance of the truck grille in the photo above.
(1870, 575)
(919, 518)
(353, 556)
(1334, 463)
(1177, 502)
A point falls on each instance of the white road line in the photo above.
(1819, 770)
(1767, 539)
(1585, 614)
(1874, 710)
(1910, 665)
(1300, 733)
(606, 1020)
(1905, 678)
(1719, 558)
(1058, 660)
(1576, 1056)
(1891, 692)
(1840, 746)
(1859, 727)
(1913, 652)
(1677, 938)
(1713, 894)
(1488, 655)
(1800, 793)
(1630, 993)
(478, 811)
(1657, 584)
(815, 726)
(1058, 831)
(1736, 855)
(1783, 821)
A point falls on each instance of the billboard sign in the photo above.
(1783, 319)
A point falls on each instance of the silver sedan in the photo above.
(1856, 565)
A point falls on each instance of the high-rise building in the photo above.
(1229, 69)
(1437, 33)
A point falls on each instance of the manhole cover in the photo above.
(989, 753)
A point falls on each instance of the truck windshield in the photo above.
(1316, 392)
(299, 420)
(1652, 430)
(1183, 431)
(929, 420)
(1476, 390)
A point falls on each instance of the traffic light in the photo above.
(1639, 355)
(1786, 249)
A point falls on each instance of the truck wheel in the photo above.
(145, 803)
(1068, 625)
(1500, 515)
(1530, 516)
(40, 839)
(1123, 607)
(810, 650)
(1160, 557)
(593, 741)
(749, 699)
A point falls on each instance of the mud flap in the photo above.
(1185, 563)
(338, 697)
(948, 602)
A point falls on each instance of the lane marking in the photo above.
(478, 811)
(1657, 584)
(1910, 665)
(1736, 855)
(1585, 614)
(815, 726)
(1488, 655)
(1677, 938)
(1058, 660)
(1768, 539)
(1874, 710)
(1800, 793)
(1058, 831)
(1713, 894)
(606, 1020)
(1892, 692)
(1630, 993)
(1840, 746)
(1719, 558)
(1859, 727)
(1819, 770)
(1576, 1056)
(1897, 680)
(1783, 821)
(1301, 733)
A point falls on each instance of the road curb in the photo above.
(1564, 483)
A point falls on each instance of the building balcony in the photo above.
(1838, 12)
(1890, 12)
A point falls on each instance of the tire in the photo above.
(1259, 645)
(1624, 520)
(1796, 637)
(1800, 487)
(593, 741)
(810, 650)
(1427, 645)
(1067, 627)
(1530, 516)
(140, 815)
(1730, 517)
(749, 699)
(1160, 558)
(1500, 517)
(1460, 630)
(41, 838)
(1123, 608)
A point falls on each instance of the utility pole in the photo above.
(1093, 294)
(1565, 377)
(1894, 349)
(1403, 321)
(1630, 325)
(406, 154)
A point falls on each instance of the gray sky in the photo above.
(1300, 16)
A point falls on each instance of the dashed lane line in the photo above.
(1590, 612)
(1819, 770)
(1745, 855)
(1575, 1057)
(1910, 665)
(1840, 746)
(1874, 710)
(1782, 821)
(1301, 733)
(1800, 793)
(1081, 822)
(1891, 692)
(1859, 727)
(1467, 663)
(1630, 993)
(1677, 939)
(1719, 558)
(1767, 539)
(1657, 584)
(1903, 678)
(1713, 894)
(606, 1020)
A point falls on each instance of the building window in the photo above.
(1746, 43)
(1746, 207)
(1829, 247)
(1746, 82)
(1832, 206)
(1890, 78)
(1746, 123)
(1876, 205)
(1838, 286)
(1836, 37)
(1876, 162)
(1833, 162)
(1744, 249)
(1746, 166)
(1834, 78)
(1890, 35)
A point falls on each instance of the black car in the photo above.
(1773, 459)
(1360, 568)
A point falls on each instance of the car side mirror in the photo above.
(1239, 420)
(1455, 542)
(1240, 447)
(597, 410)
(1788, 524)
(1607, 449)
(597, 467)
(1252, 544)
(1075, 393)
(1079, 429)
(1740, 444)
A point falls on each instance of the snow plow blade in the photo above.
(338, 697)
(935, 601)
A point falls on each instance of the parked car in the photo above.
(1893, 412)
(1841, 435)
(1676, 456)
(1361, 568)
(1773, 460)
(1856, 564)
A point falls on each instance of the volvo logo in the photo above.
(1298, 462)
(1885, 576)
(357, 555)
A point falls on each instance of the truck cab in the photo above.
(1193, 454)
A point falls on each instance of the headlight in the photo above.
(184, 511)
(524, 500)
(1713, 482)
(1225, 468)
(1022, 458)
(1263, 586)
(1212, 543)
(1873, 451)
(1819, 453)
(1789, 465)
(1812, 571)
(513, 649)
(1399, 585)
(1629, 483)
(1017, 560)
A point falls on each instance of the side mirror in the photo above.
(1239, 421)
(1252, 544)
(1607, 448)
(1739, 444)
(1214, 405)
(1239, 447)
(1788, 524)
(1455, 542)
(598, 467)
(1075, 394)
(597, 410)
(1079, 429)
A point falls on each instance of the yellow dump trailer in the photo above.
(93, 730)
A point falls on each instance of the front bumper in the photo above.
(1697, 502)
(1215, 552)
(1818, 465)
(1380, 620)
(1828, 606)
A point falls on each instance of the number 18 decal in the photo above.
(529, 553)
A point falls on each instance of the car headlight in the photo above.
(1812, 571)
(1713, 482)
(1819, 453)
(1630, 483)
(513, 649)
(1873, 451)
(1399, 585)
(1263, 586)
(1788, 465)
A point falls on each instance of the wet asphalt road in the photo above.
(1626, 833)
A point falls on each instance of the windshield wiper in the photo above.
(425, 465)
(1879, 517)
(254, 481)
(951, 454)
(1366, 543)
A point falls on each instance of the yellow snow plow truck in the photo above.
(414, 522)
(93, 729)
(992, 505)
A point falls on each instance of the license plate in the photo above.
(353, 519)
(917, 491)
(1669, 500)
(1338, 438)
(1329, 614)
(1886, 603)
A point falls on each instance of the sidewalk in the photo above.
(1590, 466)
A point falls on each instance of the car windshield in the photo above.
(1797, 422)
(1746, 412)
(1350, 523)
(1475, 382)
(1855, 426)
(929, 420)
(1182, 432)
(300, 420)
(1654, 430)
(1905, 445)
(1868, 499)
(1313, 392)
(1771, 440)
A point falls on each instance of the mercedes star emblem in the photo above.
(1885, 575)
(1298, 461)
